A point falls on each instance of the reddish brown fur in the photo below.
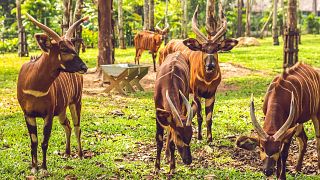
(304, 82)
(147, 40)
(173, 76)
(203, 84)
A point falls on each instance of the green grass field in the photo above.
(123, 147)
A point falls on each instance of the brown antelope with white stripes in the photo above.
(292, 99)
(205, 74)
(148, 40)
(48, 84)
(173, 111)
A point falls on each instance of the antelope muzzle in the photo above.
(75, 65)
(185, 154)
(210, 64)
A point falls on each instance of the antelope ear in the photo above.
(164, 117)
(192, 44)
(43, 41)
(228, 44)
(247, 143)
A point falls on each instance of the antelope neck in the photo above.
(43, 73)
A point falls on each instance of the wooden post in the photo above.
(185, 18)
(146, 15)
(166, 22)
(151, 15)
(291, 36)
(122, 43)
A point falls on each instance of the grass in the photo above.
(112, 140)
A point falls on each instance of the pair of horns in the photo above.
(220, 31)
(164, 29)
(175, 112)
(262, 134)
(53, 34)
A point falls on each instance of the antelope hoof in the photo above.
(34, 171)
(44, 173)
(209, 140)
(172, 171)
(156, 171)
(80, 154)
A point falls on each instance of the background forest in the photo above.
(50, 13)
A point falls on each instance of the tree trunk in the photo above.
(314, 7)
(105, 33)
(22, 47)
(146, 15)
(211, 21)
(166, 21)
(239, 29)
(291, 40)
(265, 25)
(122, 44)
(184, 18)
(78, 33)
(151, 15)
(274, 23)
(283, 17)
(248, 14)
(67, 6)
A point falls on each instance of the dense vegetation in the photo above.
(123, 146)
(50, 12)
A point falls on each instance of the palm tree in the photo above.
(274, 23)
(122, 44)
(151, 15)
(146, 15)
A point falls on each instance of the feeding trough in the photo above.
(123, 77)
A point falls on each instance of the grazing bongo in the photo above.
(48, 84)
(173, 111)
(300, 85)
(148, 40)
(205, 74)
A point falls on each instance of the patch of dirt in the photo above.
(93, 85)
(242, 160)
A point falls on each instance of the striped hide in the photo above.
(205, 76)
(173, 111)
(47, 85)
(283, 119)
(147, 40)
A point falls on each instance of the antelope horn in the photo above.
(72, 28)
(263, 135)
(46, 29)
(189, 110)
(288, 122)
(223, 27)
(157, 26)
(173, 109)
(166, 28)
(195, 29)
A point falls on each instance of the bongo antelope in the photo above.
(173, 111)
(205, 74)
(50, 83)
(148, 40)
(292, 99)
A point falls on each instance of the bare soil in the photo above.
(94, 85)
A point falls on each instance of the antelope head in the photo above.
(181, 129)
(163, 32)
(60, 47)
(270, 144)
(209, 46)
